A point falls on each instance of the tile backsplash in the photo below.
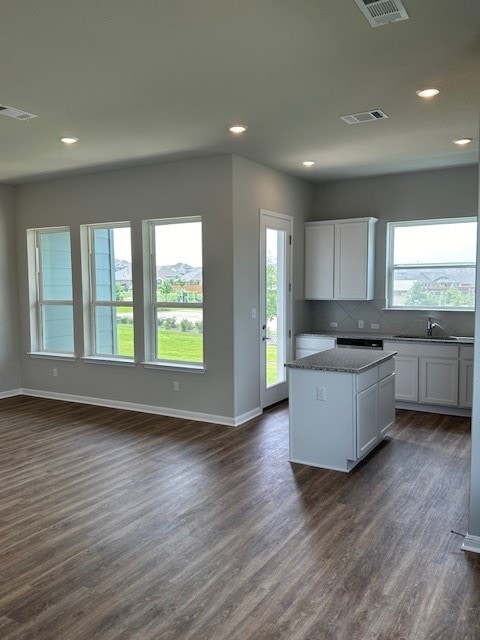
(346, 313)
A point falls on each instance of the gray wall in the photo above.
(228, 192)
(9, 339)
(195, 187)
(257, 187)
(474, 516)
(407, 196)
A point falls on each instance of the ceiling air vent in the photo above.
(11, 112)
(380, 12)
(365, 116)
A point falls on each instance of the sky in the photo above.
(436, 243)
(174, 243)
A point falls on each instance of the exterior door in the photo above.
(275, 305)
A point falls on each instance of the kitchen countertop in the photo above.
(388, 336)
(342, 360)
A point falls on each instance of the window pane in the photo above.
(114, 331)
(179, 334)
(113, 264)
(435, 243)
(57, 328)
(178, 253)
(275, 307)
(56, 265)
(434, 287)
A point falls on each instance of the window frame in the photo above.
(93, 303)
(391, 267)
(151, 332)
(37, 302)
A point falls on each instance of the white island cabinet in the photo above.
(341, 404)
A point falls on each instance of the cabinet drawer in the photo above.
(386, 368)
(314, 343)
(366, 379)
(422, 349)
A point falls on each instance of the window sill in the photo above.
(123, 362)
(175, 366)
(52, 355)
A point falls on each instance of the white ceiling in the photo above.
(142, 81)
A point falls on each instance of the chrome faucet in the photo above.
(431, 324)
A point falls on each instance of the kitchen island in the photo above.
(341, 404)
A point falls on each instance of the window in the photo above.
(431, 264)
(111, 291)
(51, 298)
(176, 285)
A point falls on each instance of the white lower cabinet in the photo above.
(433, 374)
(438, 381)
(406, 383)
(465, 381)
(367, 420)
(386, 403)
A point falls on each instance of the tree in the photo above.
(165, 289)
(271, 287)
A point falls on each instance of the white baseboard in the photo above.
(145, 408)
(433, 408)
(245, 417)
(471, 543)
(11, 393)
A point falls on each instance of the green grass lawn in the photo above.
(171, 344)
(188, 343)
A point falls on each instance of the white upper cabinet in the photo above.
(339, 259)
(319, 261)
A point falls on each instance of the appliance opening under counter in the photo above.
(359, 343)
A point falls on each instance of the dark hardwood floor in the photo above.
(125, 526)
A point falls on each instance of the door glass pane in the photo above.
(275, 342)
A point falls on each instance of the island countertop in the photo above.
(342, 360)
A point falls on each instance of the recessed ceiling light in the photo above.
(68, 140)
(427, 93)
(308, 163)
(462, 141)
(238, 128)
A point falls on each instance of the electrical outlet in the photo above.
(176, 386)
(54, 373)
(374, 325)
(361, 324)
(321, 394)
(334, 325)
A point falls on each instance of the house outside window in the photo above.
(51, 295)
(111, 332)
(431, 264)
(176, 291)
